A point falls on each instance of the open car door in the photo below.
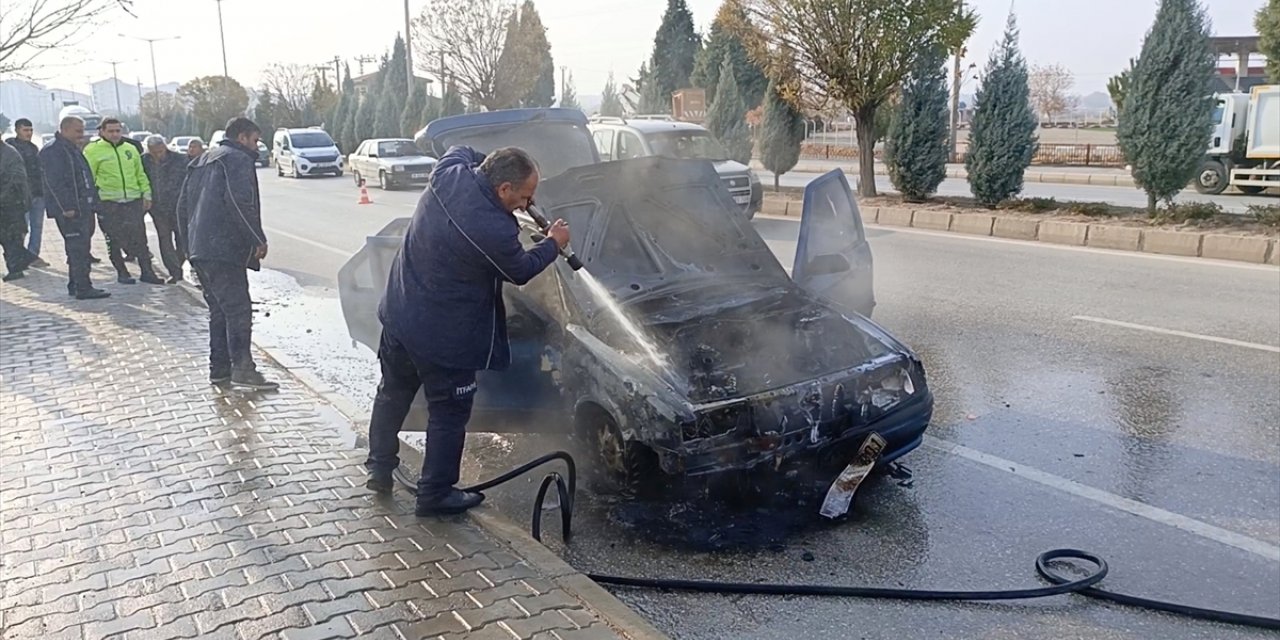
(833, 259)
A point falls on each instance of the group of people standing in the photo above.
(205, 207)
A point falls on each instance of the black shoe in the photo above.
(91, 294)
(39, 263)
(252, 380)
(173, 280)
(125, 278)
(13, 275)
(453, 502)
(94, 259)
(151, 278)
(380, 484)
(220, 378)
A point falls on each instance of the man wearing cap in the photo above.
(166, 171)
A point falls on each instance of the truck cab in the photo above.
(1244, 144)
(646, 136)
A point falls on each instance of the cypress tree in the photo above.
(410, 118)
(534, 36)
(264, 115)
(916, 148)
(675, 51)
(726, 119)
(611, 100)
(569, 94)
(394, 93)
(1002, 135)
(1167, 115)
(342, 116)
(722, 41)
(451, 103)
(367, 112)
(782, 134)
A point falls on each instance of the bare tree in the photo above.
(470, 35)
(1050, 87)
(292, 85)
(31, 28)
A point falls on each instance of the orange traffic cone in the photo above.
(364, 194)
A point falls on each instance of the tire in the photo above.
(620, 466)
(293, 171)
(384, 182)
(356, 175)
(1251, 190)
(279, 170)
(1212, 177)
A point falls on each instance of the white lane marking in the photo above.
(1054, 247)
(319, 245)
(1133, 507)
(1180, 334)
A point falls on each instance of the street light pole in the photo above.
(408, 49)
(155, 81)
(116, 79)
(222, 36)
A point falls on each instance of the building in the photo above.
(41, 104)
(1244, 75)
(126, 102)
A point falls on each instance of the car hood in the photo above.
(308, 152)
(730, 167)
(407, 161)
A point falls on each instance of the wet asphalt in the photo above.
(1137, 418)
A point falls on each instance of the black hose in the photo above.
(1060, 585)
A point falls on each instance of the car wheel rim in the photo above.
(611, 449)
(1209, 178)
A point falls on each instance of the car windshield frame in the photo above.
(555, 146)
(663, 144)
(303, 140)
(400, 145)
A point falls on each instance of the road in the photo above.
(1120, 196)
(1054, 427)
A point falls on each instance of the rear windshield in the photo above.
(398, 149)
(693, 145)
(556, 147)
(310, 139)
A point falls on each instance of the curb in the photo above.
(619, 617)
(1212, 245)
(1031, 175)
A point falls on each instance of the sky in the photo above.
(1093, 38)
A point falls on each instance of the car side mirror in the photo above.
(827, 264)
(373, 155)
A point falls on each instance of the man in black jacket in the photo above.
(166, 171)
(223, 218)
(15, 199)
(69, 199)
(31, 160)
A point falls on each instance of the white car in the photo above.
(179, 144)
(306, 152)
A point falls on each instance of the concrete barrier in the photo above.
(895, 217)
(774, 207)
(1056, 232)
(1239, 248)
(1273, 257)
(1173, 243)
(929, 219)
(1076, 178)
(869, 214)
(1052, 178)
(1016, 228)
(973, 223)
(1108, 237)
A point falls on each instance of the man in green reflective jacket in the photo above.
(124, 196)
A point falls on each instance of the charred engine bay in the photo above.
(763, 344)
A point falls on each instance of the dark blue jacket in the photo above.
(444, 295)
(219, 210)
(68, 182)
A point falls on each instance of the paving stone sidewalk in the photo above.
(137, 501)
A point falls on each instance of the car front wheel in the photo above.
(384, 182)
(1212, 178)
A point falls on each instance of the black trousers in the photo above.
(16, 256)
(449, 394)
(124, 225)
(77, 233)
(166, 225)
(226, 290)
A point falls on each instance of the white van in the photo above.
(305, 152)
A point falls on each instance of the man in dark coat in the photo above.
(166, 171)
(35, 178)
(442, 314)
(224, 237)
(69, 200)
(15, 200)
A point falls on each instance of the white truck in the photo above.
(1244, 150)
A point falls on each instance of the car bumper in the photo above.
(320, 168)
(407, 180)
(902, 427)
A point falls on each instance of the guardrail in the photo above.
(1079, 155)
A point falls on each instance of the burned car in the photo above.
(683, 346)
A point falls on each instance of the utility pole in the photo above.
(116, 79)
(142, 118)
(408, 49)
(363, 59)
(337, 73)
(155, 81)
(564, 83)
(222, 36)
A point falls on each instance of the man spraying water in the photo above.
(442, 314)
